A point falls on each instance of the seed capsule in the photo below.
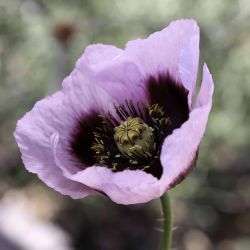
(134, 139)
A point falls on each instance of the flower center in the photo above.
(135, 139)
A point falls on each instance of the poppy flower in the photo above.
(125, 123)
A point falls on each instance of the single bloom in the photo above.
(124, 123)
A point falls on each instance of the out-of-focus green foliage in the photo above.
(212, 205)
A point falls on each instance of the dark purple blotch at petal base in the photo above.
(82, 138)
(171, 96)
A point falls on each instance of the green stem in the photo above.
(167, 211)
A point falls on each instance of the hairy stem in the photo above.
(167, 211)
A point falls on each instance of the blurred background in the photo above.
(39, 44)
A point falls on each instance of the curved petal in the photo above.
(34, 135)
(179, 149)
(174, 50)
(122, 73)
(53, 120)
(126, 187)
(123, 81)
(81, 95)
(84, 102)
(97, 56)
(188, 64)
(110, 68)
